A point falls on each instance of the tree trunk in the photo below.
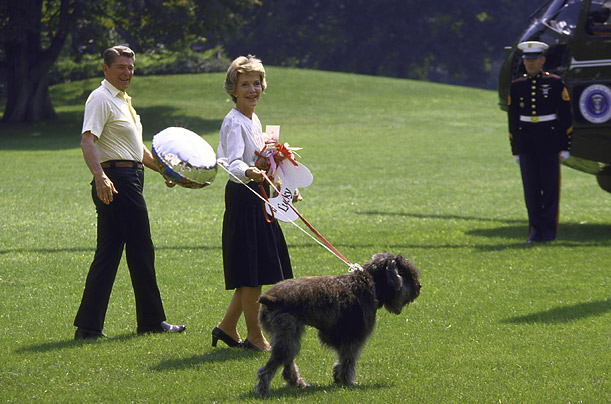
(27, 63)
(27, 94)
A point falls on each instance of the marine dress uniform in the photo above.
(540, 126)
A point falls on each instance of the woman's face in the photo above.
(248, 91)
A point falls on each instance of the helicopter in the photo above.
(578, 33)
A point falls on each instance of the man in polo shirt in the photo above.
(540, 126)
(113, 150)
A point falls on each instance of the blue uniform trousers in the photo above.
(541, 182)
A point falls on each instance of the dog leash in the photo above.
(320, 237)
(321, 240)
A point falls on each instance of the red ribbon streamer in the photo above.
(320, 237)
(270, 157)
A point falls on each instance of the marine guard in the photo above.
(540, 126)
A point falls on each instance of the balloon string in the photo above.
(322, 241)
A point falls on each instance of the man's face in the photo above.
(534, 65)
(120, 72)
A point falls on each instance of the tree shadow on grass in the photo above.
(564, 314)
(65, 132)
(71, 343)
(92, 249)
(295, 392)
(60, 134)
(232, 354)
(569, 234)
(513, 232)
(217, 355)
(438, 216)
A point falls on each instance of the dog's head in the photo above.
(396, 280)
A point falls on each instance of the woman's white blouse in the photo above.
(240, 138)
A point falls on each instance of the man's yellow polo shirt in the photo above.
(110, 118)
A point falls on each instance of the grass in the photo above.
(410, 167)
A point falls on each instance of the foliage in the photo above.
(166, 62)
(175, 24)
(33, 33)
(441, 40)
(410, 167)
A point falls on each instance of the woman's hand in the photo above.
(297, 196)
(255, 174)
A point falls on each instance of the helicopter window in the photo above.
(565, 20)
(599, 18)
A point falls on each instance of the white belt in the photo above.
(540, 118)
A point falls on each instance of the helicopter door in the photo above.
(589, 72)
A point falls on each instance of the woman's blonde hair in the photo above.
(243, 64)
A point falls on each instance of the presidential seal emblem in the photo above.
(595, 103)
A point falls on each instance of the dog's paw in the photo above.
(346, 382)
(261, 390)
(301, 383)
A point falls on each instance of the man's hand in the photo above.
(105, 188)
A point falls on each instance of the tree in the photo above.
(28, 55)
(33, 34)
(443, 40)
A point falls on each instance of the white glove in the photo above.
(564, 155)
(516, 159)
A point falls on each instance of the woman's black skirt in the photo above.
(254, 250)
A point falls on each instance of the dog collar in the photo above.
(355, 267)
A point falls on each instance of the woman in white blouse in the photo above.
(254, 249)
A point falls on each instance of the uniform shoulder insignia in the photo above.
(552, 76)
(519, 79)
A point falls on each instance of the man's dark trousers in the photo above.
(122, 223)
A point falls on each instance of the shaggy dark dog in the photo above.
(342, 308)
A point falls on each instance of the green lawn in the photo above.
(409, 167)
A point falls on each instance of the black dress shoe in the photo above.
(217, 334)
(162, 327)
(82, 333)
(534, 236)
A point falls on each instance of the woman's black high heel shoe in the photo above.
(217, 334)
(249, 345)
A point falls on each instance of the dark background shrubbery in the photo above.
(66, 69)
(440, 41)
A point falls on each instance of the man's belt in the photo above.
(122, 164)
(540, 118)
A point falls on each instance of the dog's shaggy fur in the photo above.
(342, 308)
